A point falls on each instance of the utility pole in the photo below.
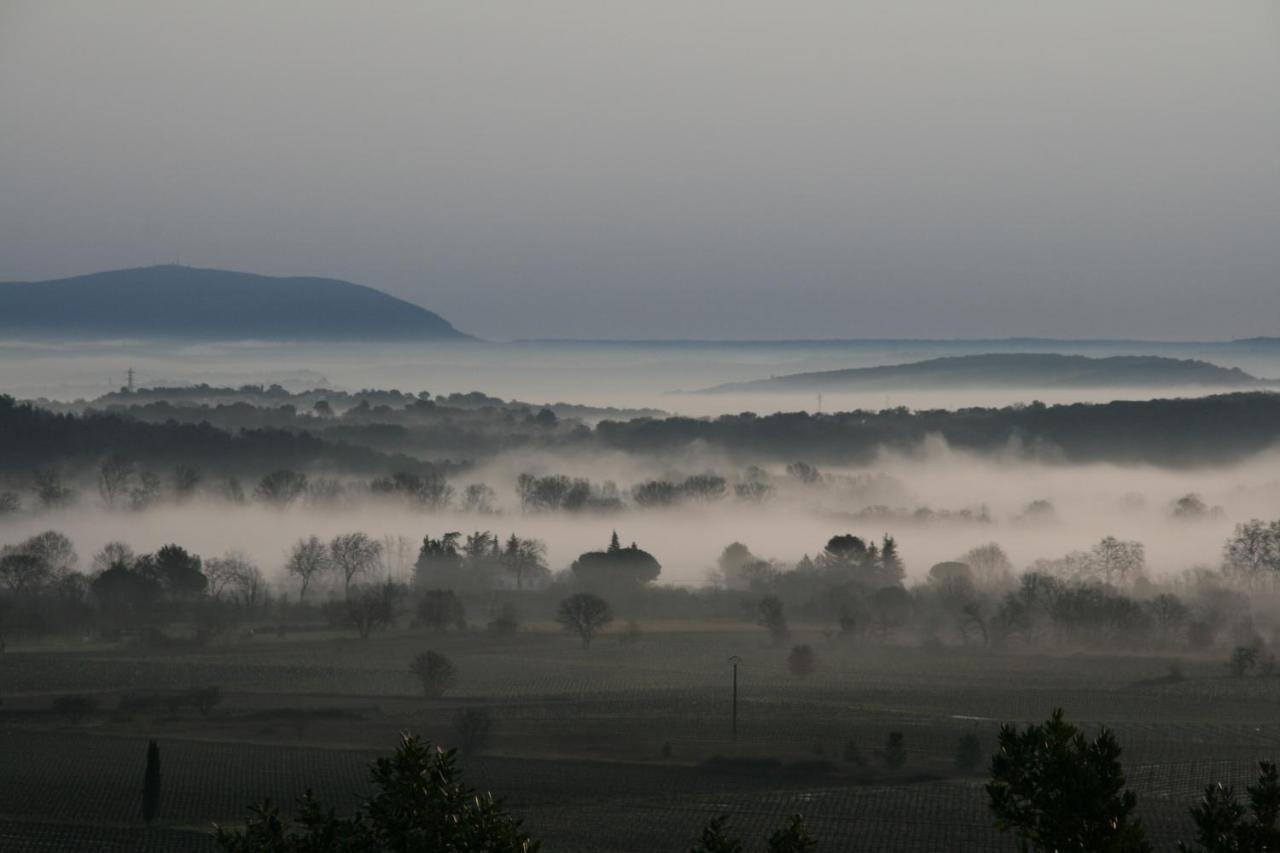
(734, 661)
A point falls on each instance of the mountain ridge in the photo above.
(1008, 370)
(173, 301)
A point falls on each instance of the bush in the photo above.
(437, 673)
(506, 622)
(420, 803)
(894, 754)
(801, 661)
(968, 753)
(474, 727)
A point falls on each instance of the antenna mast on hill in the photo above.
(129, 385)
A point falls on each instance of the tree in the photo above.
(616, 567)
(151, 783)
(474, 727)
(241, 579)
(1117, 562)
(772, 618)
(478, 498)
(1221, 826)
(793, 837)
(281, 488)
(892, 608)
(1253, 551)
(370, 607)
(436, 672)
(714, 838)
(184, 479)
(177, 570)
(968, 753)
(525, 559)
(113, 554)
(353, 554)
(801, 661)
(584, 614)
(1058, 790)
(421, 803)
(21, 573)
(894, 754)
(308, 559)
(990, 565)
(50, 489)
(440, 608)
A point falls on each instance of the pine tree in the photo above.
(614, 544)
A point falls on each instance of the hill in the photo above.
(1029, 370)
(185, 302)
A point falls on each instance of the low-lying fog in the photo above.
(631, 375)
(1089, 502)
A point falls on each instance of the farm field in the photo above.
(613, 742)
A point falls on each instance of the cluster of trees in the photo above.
(480, 561)
(1101, 598)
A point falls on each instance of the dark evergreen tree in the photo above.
(151, 783)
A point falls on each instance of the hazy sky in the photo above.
(663, 169)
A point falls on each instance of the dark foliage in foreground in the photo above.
(421, 804)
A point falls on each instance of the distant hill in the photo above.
(185, 302)
(1020, 370)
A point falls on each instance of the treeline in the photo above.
(33, 439)
(1216, 429)
(1102, 598)
(1172, 432)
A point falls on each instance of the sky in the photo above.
(658, 170)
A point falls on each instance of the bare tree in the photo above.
(238, 577)
(115, 475)
(112, 554)
(307, 559)
(50, 489)
(990, 565)
(584, 614)
(1118, 562)
(353, 554)
(436, 672)
(281, 487)
(1253, 551)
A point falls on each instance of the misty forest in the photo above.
(639, 428)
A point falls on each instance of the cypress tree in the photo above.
(151, 783)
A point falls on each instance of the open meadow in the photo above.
(622, 746)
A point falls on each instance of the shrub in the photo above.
(894, 754)
(474, 727)
(437, 673)
(506, 622)
(968, 753)
(801, 661)
(420, 803)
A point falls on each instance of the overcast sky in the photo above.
(683, 169)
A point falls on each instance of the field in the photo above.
(599, 749)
